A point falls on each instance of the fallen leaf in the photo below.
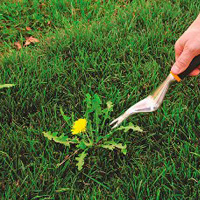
(28, 28)
(27, 43)
(18, 45)
(41, 5)
(30, 40)
(19, 29)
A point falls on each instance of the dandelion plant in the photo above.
(88, 132)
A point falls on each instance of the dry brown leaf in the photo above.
(30, 40)
(18, 45)
(28, 28)
(41, 5)
(19, 29)
(33, 40)
(27, 43)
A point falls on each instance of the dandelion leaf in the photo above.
(82, 145)
(112, 145)
(97, 99)
(124, 151)
(62, 139)
(96, 106)
(88, 99)
(80, 158)
(88, 102)
(130, 127)
(96, 103)
(63, 115)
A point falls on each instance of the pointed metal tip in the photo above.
(118, 120)
(113, 122)
(115, 126)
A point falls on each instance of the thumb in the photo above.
(182, 62)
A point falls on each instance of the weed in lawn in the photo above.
(94, 136)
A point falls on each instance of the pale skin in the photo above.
(187, 47)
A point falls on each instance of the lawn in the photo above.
(121, 51)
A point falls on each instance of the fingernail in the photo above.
(175, 69)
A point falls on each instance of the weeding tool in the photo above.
(154, 100)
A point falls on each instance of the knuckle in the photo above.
(181, 63)
(192, 49)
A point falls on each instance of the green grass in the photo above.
(120, 50)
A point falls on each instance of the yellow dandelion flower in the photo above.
(79, 126)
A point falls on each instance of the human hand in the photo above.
(186, 48)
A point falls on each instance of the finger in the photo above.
(182, 62)
(195, 72)
(178, 49)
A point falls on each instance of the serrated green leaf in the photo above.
(48, 135)
(80, 160)
(54, 134)
(88, 102)
(6, 86)
(112, 145)
(82, 145)
(75, 140)
(130, 127)
(96, 104)
(124, 151)
(88, 98)
(62, 139)
(90, 110)
(97, 99)
(107, 146)
(63, 115)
